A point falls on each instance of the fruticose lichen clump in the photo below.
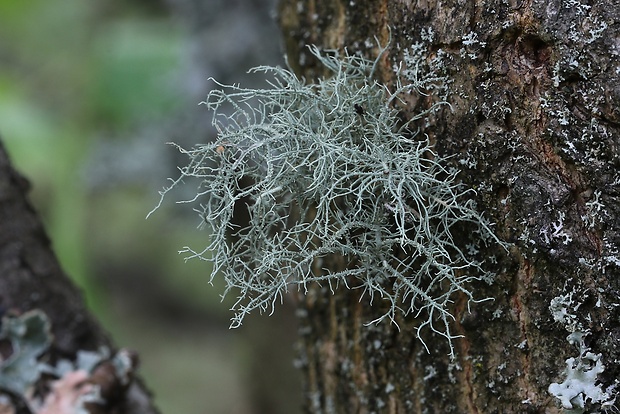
(329, 172)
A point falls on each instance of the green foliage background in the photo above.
(89, 93)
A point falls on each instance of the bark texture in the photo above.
(535, 127)
(31, 278)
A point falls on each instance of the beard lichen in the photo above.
(329, 169)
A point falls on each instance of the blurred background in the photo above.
(90, 92)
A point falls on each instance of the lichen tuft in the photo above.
(329, 169)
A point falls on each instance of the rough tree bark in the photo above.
(31, 278)
(535, 125)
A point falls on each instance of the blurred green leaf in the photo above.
(133, 71)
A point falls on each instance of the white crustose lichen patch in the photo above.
(579, 386)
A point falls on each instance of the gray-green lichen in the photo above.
(328, 172)
(25, 343)
(29, 336)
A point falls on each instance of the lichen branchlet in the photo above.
(328, 169)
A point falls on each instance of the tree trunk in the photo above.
(534, 125)
(31, 278)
